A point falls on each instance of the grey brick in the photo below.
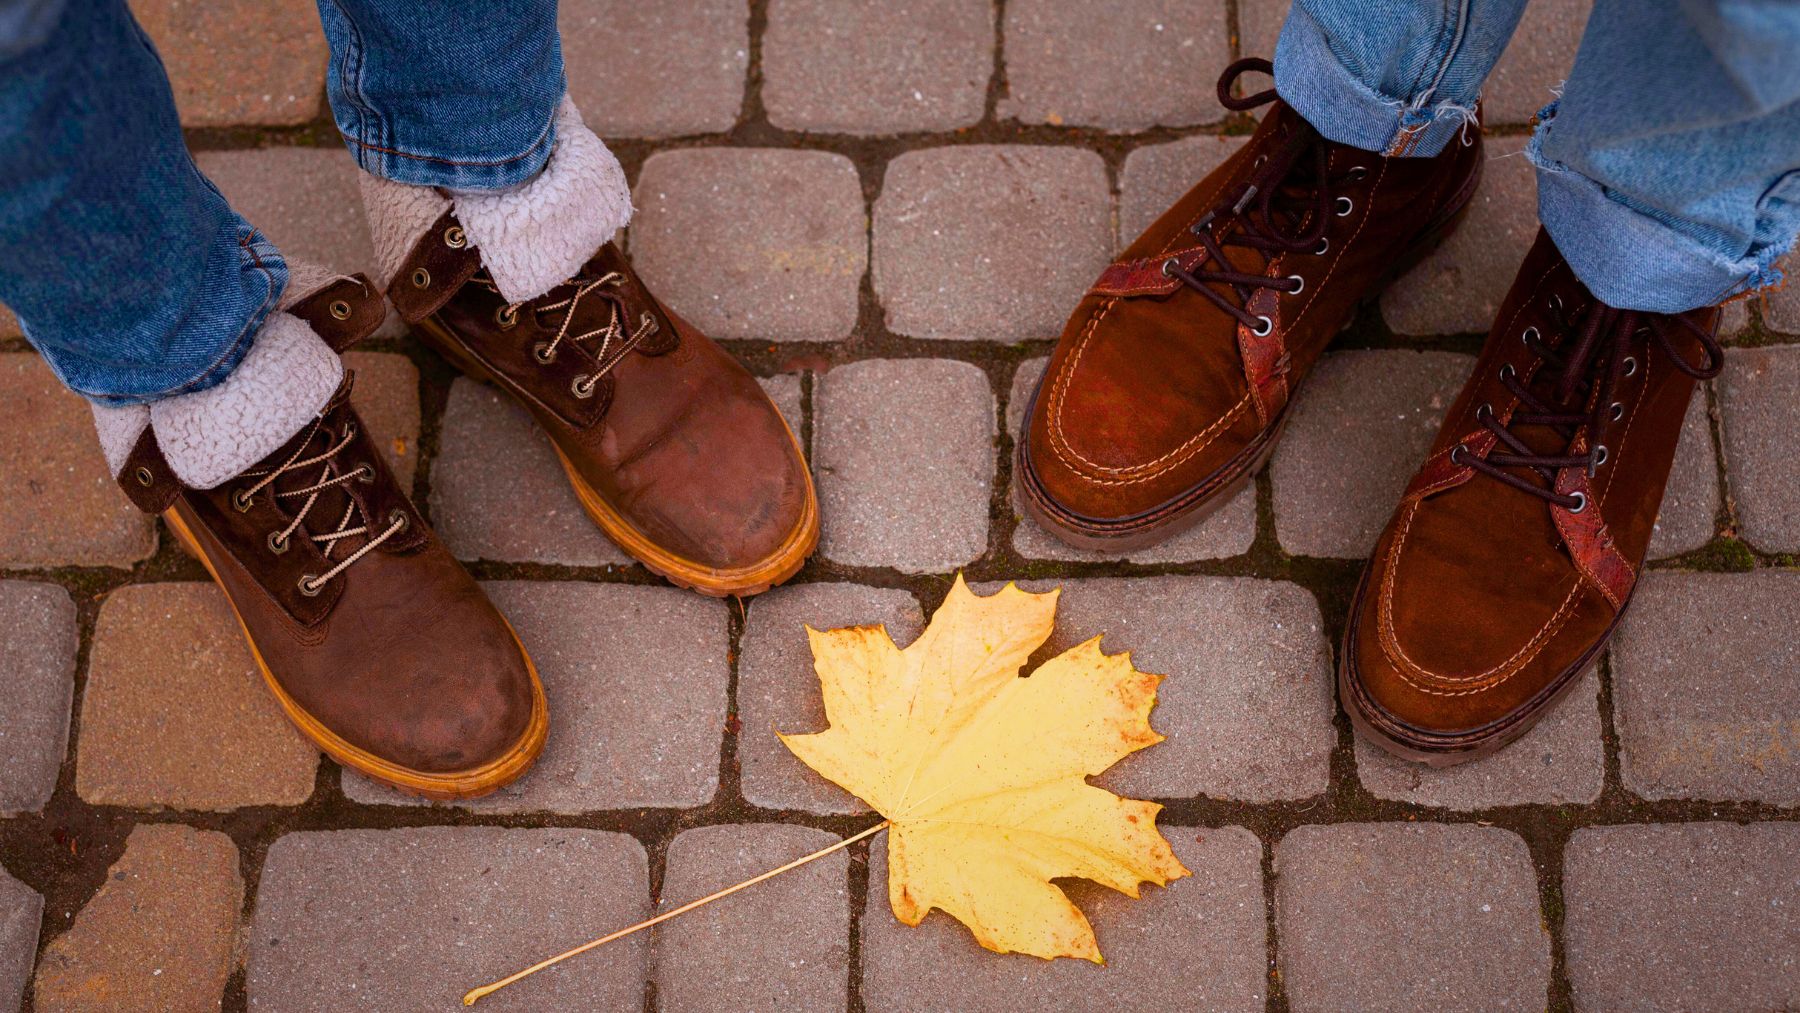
(1228, 532)
(1157, 175)
(866, 67)
(1536, 60)
(1560, 762)
(778, 689)
(1697, 916)
(780, 945)
(1690, 506)
(1259, 25)
(754, 243)
(161, 933)
(1409, 916)
(63, 507)
(37, 664)
(654, 69)
(1783, 307)
(492, 457)
(1359, 431)
(386, 397)
(175, 713)
(239, 64)
(1200, 943)
(1704, 690)
(1246, 701)
(1759, 405)
(407, 920)
(1458, 289)
(21, 910)
(904, 450)
(636, 679)
(989, 242)
(306, 200)
(1135, 65)
(784, 390)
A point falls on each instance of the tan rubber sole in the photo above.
(442, 786)
(750, 579)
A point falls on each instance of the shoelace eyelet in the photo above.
(1485, 412)
(1263, 331)
(1344, 205)
(455, 238)
(278, 544)
(1529, 335)
(1630, 366)
(242, 500)
(144, 477)
(1580, 504)
(364, 474)
(421, 278)
(1168, 267)
(1617, 411)
(506, 317)
(1299, 284)
(309, 587)
(1600, 455)
(1459, 455)
(581, 388)
(1506, 371)
(340, 310)
(1324, 245)
(398, 517)
(543, 353)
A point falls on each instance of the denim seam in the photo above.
(350, 73)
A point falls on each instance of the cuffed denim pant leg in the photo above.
(1669, 169)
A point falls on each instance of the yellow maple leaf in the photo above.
(982, 773)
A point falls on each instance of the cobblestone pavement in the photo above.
(887, 209)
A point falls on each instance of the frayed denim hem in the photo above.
(1629, 259)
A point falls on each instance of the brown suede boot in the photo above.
(672, 447)
(376, 642)
(1514, 551)
(1172, 380)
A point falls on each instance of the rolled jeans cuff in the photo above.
(1630, 259)
(423, 168)
(1310, 78)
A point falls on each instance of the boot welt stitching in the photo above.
(1390, 641)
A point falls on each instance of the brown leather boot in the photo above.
(671, 445)
(1515, 549)
(1172, 380)
(376, 642)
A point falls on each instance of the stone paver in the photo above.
(249, 64)
(1228, 532)
(37, 666)
(175, 713)
(386, 397)
(1459, 288)
(1197, 944)
(778, 689)
(754, 243)
(1259, 25)
(162, 932)
(1409, 916)
(63, 507)
(1246, 698)
(9, 324)
(636, 678)
(780, 945)
(497, 491)
(1358, 434)
(1157, 175)
(1691, 500)
(784, 390)
(1703, 687)
(1140, 64)
(1536, 60)
(989, 242)
(21, 911)
(305, 200)
(656, 69)
(904, 452)
(1759, 411)
(1683, 917)
(1560, 762)
(867, 67)
(1783, 308)
(405, 920)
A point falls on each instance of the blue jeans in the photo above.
(1669, 168)
(126, 267)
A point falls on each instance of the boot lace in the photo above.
(1284, 207)
(566, 299)
(312, 478)
(1573, 393)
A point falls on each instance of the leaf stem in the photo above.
(476, 994)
